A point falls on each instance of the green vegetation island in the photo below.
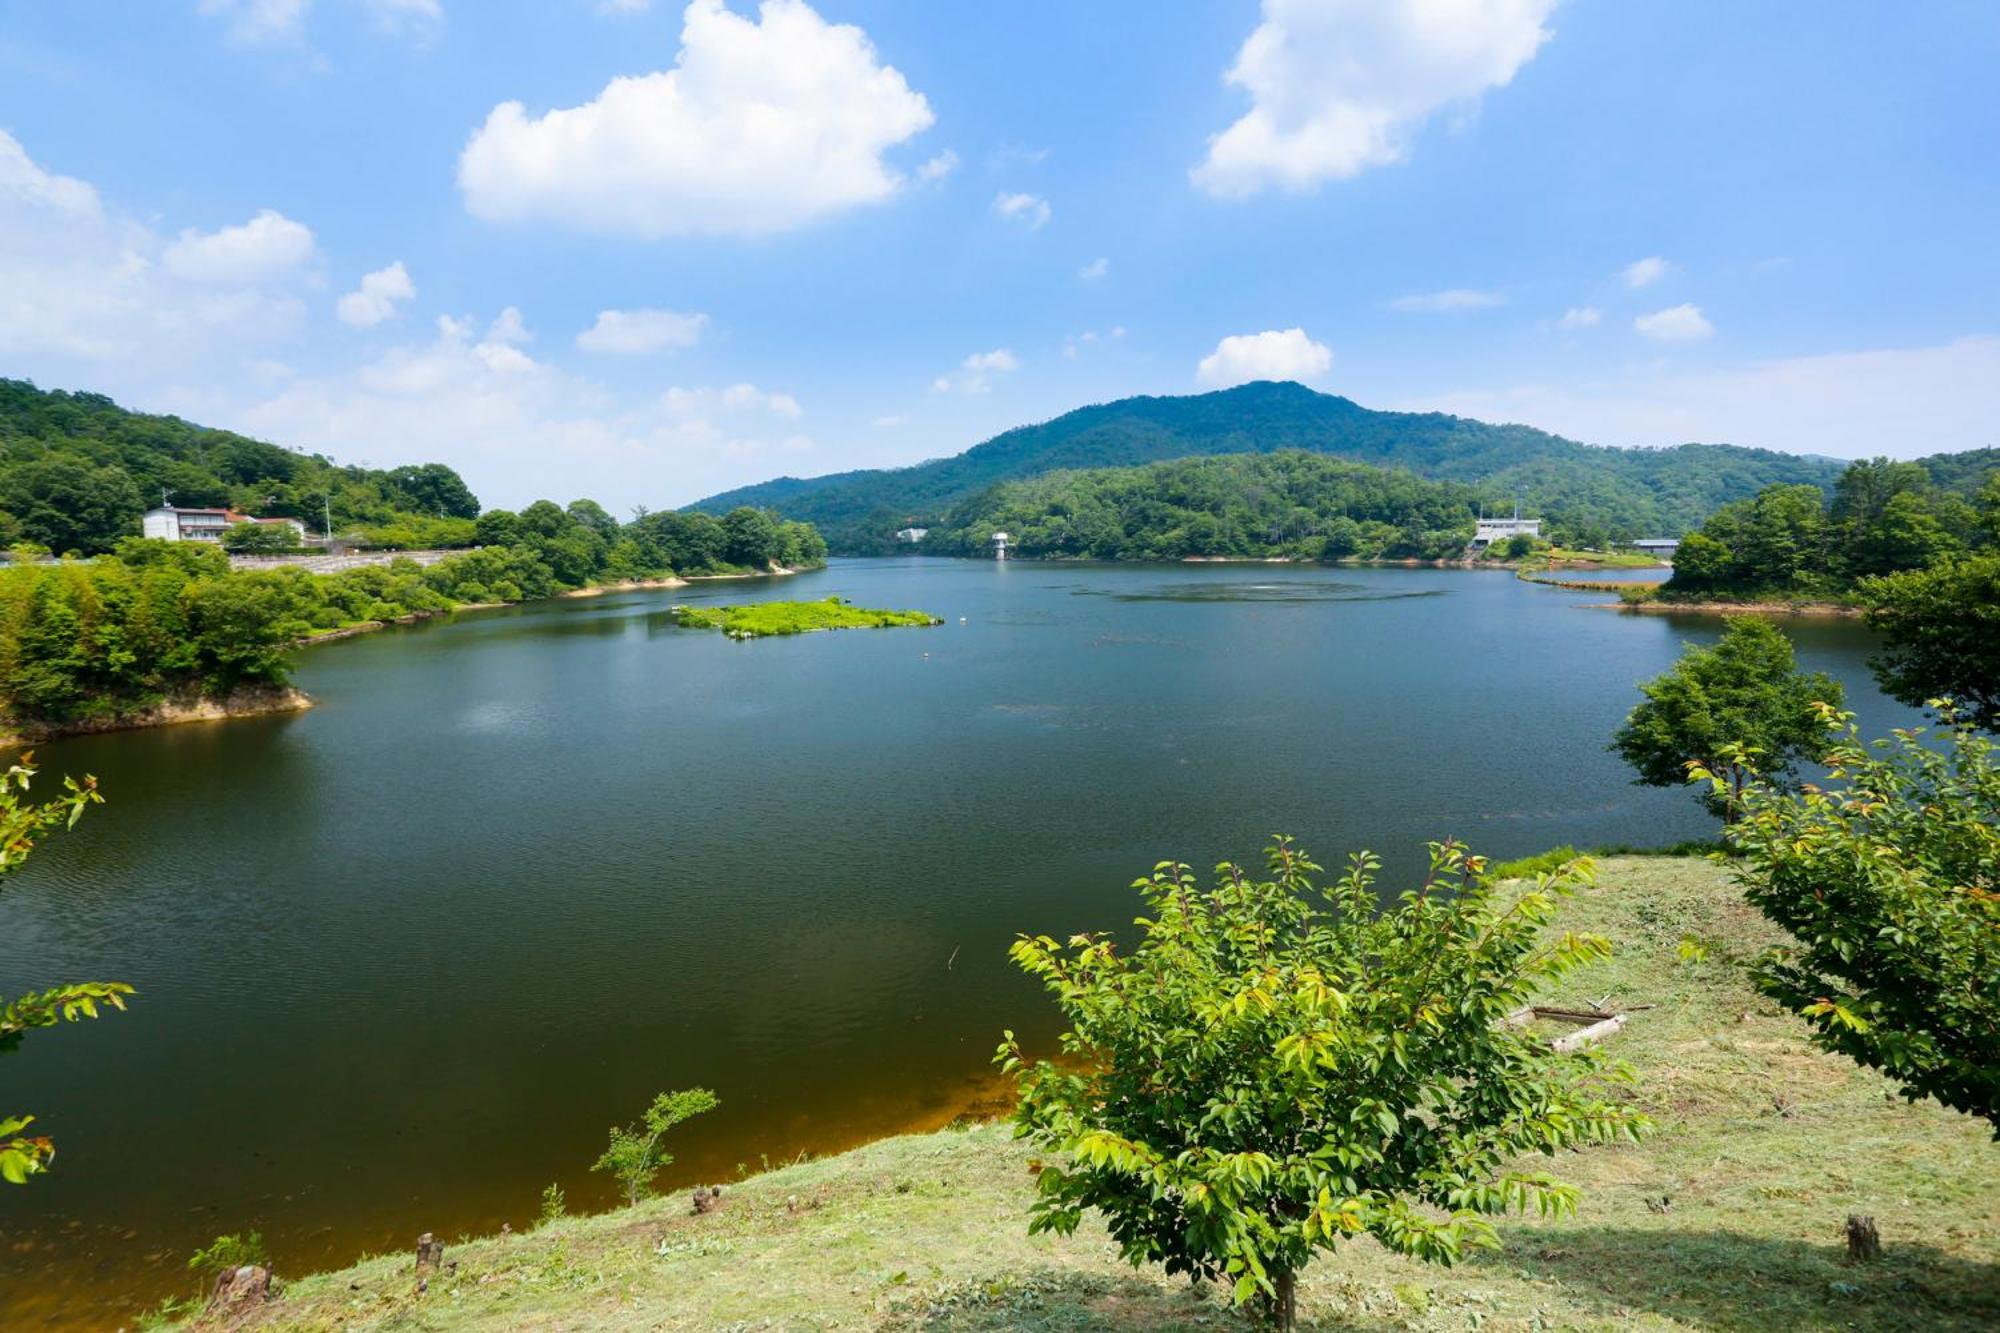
(1729, 1214)
(758, 620)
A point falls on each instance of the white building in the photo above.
(1490, 530)
(171, 523)
(1000, 540)
(911, 536)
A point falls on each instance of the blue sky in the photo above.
(645, 251)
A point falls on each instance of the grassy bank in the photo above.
(764, 619)
(1729, 1218)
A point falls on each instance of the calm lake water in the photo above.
(402, 959)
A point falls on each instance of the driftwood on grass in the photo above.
(1864, 1242)
(1601, 1023)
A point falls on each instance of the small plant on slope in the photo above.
(1282, 1064)
(635, 1155)
(1888, 881)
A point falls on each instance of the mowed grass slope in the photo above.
(1730, 1217)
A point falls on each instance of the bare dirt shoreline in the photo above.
(1835, 609)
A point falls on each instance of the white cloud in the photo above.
(734, 398)
(268, 246)
(1274, 354)
(1030, 210)
(521, 429)
(975, 373)
(258, 22)
(419, 19)
(509, 329)
(1906, 401)
(1453, 301)
(938, 167)
(377, 298)
(640, 332)
(1094, 270)
(1339, 86)
(759, 127)
(1645, 272)
(1676, 324)
(1580, 317)
(81, 284)
(890, 420)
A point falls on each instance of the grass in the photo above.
(1728, 1218)
(761, 619)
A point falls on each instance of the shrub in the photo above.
(1283, 1064)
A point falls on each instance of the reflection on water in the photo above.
(403, 957)
(1292, 590)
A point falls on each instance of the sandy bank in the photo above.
(250, 701)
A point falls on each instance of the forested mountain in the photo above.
(77, 470)
(1587, 491)
(1292, 504)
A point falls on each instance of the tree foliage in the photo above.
(1884, 516)
(1282, 1064)
(635, 1155)
(23, 824)
(1285, 504)
(1739, 708)
(1888, 884)
(1940, 632)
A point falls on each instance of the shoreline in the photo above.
(264, 700)
(1838, 610)
(246, 701)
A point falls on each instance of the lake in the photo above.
(403, 958)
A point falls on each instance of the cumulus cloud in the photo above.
(1676, 324)
(268, 246)
(1907, 401)
(1339, 86)
(82, 284)
(761, 126)
(975, 373)
(1030, 210)
(1275, 354)
(1645, 272)
(377, 298)
(938, 167)
(1580, 317)
(641, 332)
(1094, 270)
(1453, 301)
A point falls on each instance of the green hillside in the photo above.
(1587, 490)
(77, 471)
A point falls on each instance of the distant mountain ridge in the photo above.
(1625, 492)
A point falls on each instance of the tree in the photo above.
(435, 490)
(252, 538)
(750, 537)
(67, 505)
(1282, 1064)
(1746, 691)
(22, 825)
(1888, 886)
(635, 1156)
(1941, 635)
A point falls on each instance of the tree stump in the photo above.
(1864, 1243)
(707, 1200)
(241, 1287)
(430, 1253)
